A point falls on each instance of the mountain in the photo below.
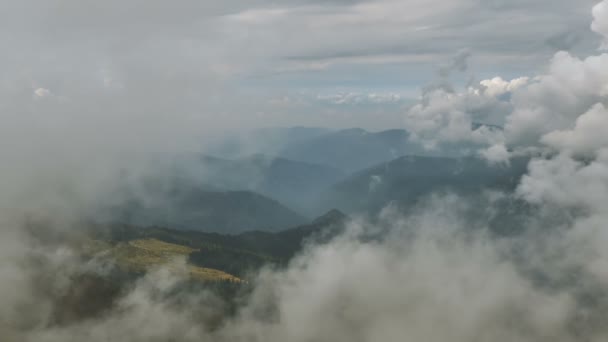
(407, 179)
(193, 208)
(356, 149)
(285, 244)
(296, 184)
(219, 263)
(349, 150)
(269, 140)
(210, 255)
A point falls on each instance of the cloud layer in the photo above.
(81, 113)
(225, 57)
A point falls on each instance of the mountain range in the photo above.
(263, 192)
(407, 179)
(234, 255)
(349, 150)
(191, 208)
(293, 183)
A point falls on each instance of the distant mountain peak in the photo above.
(332, 216)
(355, 130)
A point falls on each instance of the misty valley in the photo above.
(211, 225)
(304, 171)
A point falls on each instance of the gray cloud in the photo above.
(565, 41)
(535, 111)
(95, 94)
(433, 266)
(199, 53)
(600, 26)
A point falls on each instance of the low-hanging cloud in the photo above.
(535, 111)
(432, 275)
(435, 275)
(600, 23)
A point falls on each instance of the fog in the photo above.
(71, 145)
(433, 275)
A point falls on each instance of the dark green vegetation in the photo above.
(117, 257)
(237, 255)
(185, 207)
(406, 180)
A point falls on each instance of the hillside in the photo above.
(211, 256)
(144, 254)
(268, 140)
(405, 180)
(193, 208)
(352, 149)
(355, 149)
(292, 183)
(118, 256)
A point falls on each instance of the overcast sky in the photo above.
(338, 63)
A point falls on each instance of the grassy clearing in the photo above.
(146, 254)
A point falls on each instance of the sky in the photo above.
(337, 63)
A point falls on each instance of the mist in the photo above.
(94, 113)
(433, 275)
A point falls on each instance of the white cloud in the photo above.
(375, 181)
(497, 86)
(587, 137)
(550, 109)
(450, 117)
(557, 99)
(568, 183)
(496, 154)
(600, 21)
(42, 92)
(356, 98)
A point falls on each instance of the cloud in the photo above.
(536, 111)
(424, 268)
(435, 275)
(567, 183)
(351, 98)
(375, 182)
(444, 116)
(496, 154)
(42, 92)
(201, 54)
(565, 41)
(399, 288)
(600, 21)
(588, 135)
(497, 86)
(556, 100)
(459, 63)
